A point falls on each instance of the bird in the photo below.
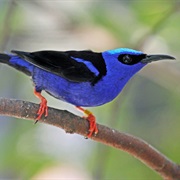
(83, 78)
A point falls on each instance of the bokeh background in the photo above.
(148, 107)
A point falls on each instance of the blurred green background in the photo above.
(148, 107)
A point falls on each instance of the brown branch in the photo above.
(74, 124)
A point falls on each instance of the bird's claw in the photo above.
(92, 125)
(43, 109)
(92, 122)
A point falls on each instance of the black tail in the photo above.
(4, 58)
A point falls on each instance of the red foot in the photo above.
(92, 121)
(43, 109)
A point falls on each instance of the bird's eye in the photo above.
(131, 59)
(127, 59)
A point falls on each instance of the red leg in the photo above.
(92, 121)
(43, 109)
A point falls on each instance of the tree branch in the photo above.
(74, 124)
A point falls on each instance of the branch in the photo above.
(74, 124)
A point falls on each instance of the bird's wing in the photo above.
(76, 66)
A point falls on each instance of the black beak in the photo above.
(150, 58)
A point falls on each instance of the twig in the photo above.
(74, 124)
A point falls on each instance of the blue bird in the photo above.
(82, 78)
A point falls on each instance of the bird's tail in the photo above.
(4, 58)
(16, 62)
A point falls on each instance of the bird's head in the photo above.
(124, 63)
(131, 57)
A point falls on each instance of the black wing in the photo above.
(62, 64)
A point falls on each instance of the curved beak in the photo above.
(157, 57)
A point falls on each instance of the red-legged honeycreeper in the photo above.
(82, 78)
